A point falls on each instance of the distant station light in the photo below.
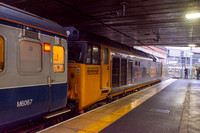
(191, 45)
(192, 15)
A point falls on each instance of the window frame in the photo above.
(63, 59)
(91, 54)
(3, 43)
(33, 41)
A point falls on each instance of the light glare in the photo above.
(192, 15)
(191, 45)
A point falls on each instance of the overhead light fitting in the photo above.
(191, 45)
(192, 15)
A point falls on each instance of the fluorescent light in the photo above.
(191, 45)
(191, 53)
(192, 15)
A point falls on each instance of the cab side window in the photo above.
(1, 54)
(93, 55)
(58, 59)
(30, 57)
(89, 56)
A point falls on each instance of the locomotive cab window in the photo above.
(30, 57)
(58, 59)
(89, 56)
(1, 54)
(75, 53)
(93, 55)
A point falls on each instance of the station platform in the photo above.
(171, 106)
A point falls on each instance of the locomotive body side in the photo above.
(97, 71)
(130, 72)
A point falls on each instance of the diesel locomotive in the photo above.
(33, 67)
(41, 75)
(99, 68)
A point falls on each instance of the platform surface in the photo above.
(171, 106)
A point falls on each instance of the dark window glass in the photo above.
(75, 53)
(95, 55)
(135, 63)
(123, 71)
(89, 56)
(105, 55)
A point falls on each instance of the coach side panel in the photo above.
(24, 70)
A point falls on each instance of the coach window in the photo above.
(30, 57)
(105, 55)
(1, 54)
(58, 59)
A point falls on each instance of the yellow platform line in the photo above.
(106, 121)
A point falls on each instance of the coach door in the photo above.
(105, 69)
(58, 78)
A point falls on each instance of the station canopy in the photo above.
(130, 22)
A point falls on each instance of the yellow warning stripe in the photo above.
(106, 121)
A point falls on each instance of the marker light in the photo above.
(191, 45)
(192, 15)
(47, 47)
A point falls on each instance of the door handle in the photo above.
(49, 80)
